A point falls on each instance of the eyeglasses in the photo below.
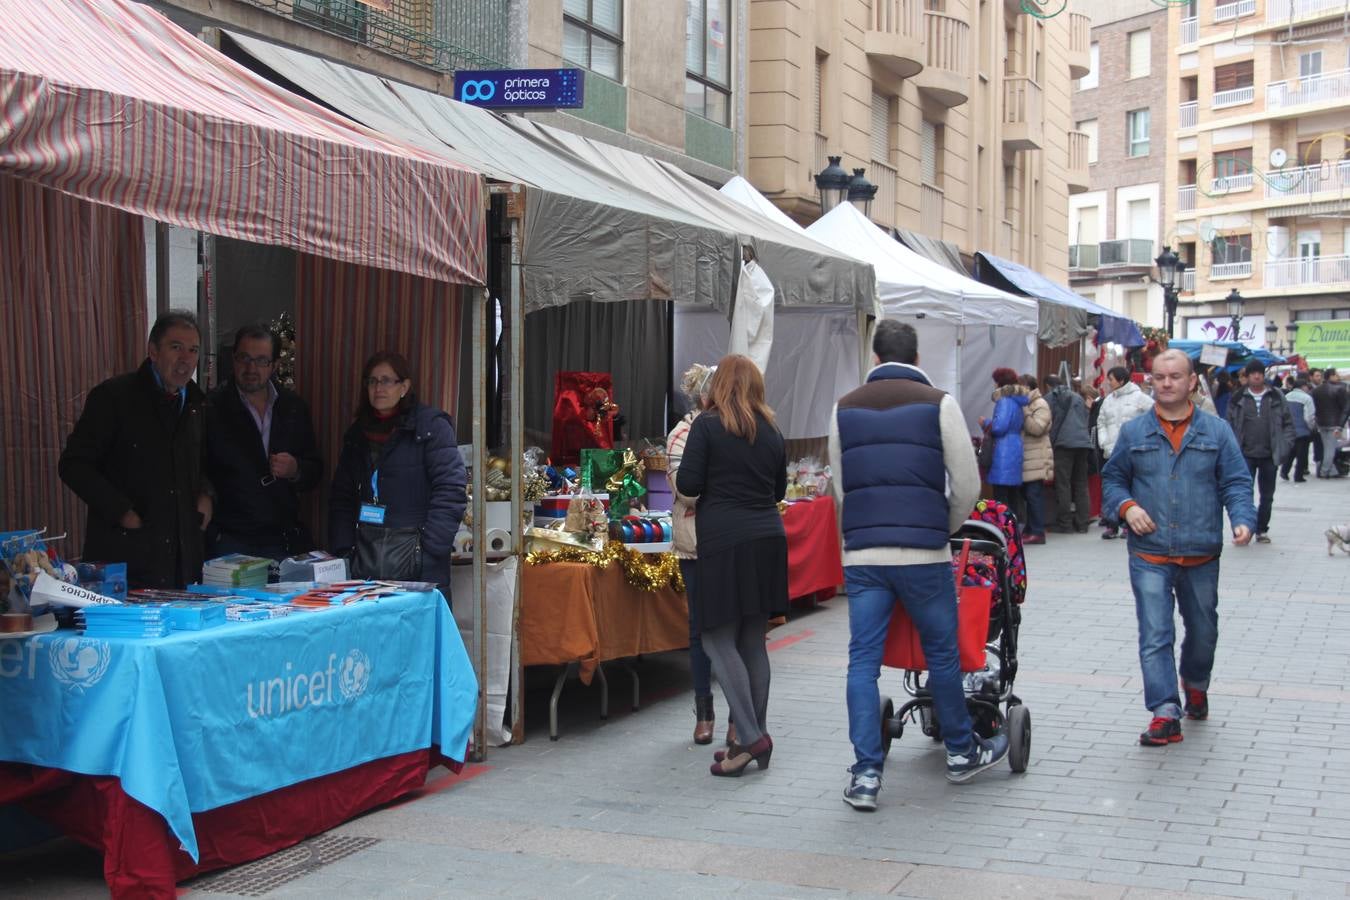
(262, 362)
(382, 382)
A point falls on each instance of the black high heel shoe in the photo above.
(733, 763)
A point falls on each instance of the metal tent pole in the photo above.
(478, 595)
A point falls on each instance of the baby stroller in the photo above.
(991, 570)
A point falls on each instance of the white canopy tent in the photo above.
(966, 329)
(815, 355)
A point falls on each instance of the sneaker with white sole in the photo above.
(861, 793)
(962, 767)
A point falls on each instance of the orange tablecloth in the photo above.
(815, 563)
(576, 612)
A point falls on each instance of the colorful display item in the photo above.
(583, 414)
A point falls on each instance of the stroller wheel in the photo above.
(887, 715)
(1019, 737)
(929, 724)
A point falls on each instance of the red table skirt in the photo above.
(815, 565)
(142, 857)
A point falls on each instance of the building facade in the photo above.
(1116, 226)
(1258, 161)
(681, 101)
(958, 110)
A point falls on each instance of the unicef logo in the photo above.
(477, 90)
(79, 662)
(354, 675)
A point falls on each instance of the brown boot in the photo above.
(703, 712)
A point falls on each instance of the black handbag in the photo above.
(985, 458)
(387, 554)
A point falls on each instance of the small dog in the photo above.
(1338, 537)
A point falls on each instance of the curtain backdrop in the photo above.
(73, 311)
(631, 341)
(345, 313)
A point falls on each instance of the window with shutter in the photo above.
(1089, 231)
(1228, 163)
(1309, 152)
(1142, 224)
(928, 154)
(1138, 43)
(1235, 75)
(881, 128)
(820, 65)
(1089, 81)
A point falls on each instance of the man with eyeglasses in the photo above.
(261, 455)
(135, 459)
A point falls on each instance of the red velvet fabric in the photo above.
(815, 564)
(142, 859)
(571, 433)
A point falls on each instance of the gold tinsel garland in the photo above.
(638, 568)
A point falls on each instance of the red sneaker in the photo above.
(1197, 704)
(1161, 732)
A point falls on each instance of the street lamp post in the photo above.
(1291, 331)
(1170, 269)
(861, 191)
(1272, 335)
(1235, 302)
(832, 182)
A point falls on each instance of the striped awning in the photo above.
(108, 101)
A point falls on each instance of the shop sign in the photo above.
(521, 88)
(1220, 328)
(1324, 344)
(1213, 355)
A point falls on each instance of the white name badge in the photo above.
(372, 514)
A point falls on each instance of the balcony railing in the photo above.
(1021, 101)
(1080, 33)
(1305, 181)
(1230, 11)
(1230, 270)
(1278, 11)
(932, 210)
(1327, 86)
(1188, 281)
(1128, 252)
(1235, 183)
(1083, 256)
(403, 28)
(902, 17)
(1190, 114)
(1079, 145)
(1307, 270)
(947, 38)
(1186, 198)
(1235, 97)
(1190, 30)
(883, 204)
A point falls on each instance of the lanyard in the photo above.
(375, 485)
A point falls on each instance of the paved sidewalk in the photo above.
(1254, 802)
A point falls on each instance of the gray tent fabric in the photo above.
(944, 253)
(601, 223)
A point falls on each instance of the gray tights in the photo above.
(741, 662)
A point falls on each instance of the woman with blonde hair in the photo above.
(694, 385)
(735, 464)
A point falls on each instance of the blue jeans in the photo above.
(1035, 503)
(1158, 589)
(929, 594)
(700, 667)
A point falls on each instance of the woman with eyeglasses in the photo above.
(398, 493)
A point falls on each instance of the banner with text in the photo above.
(1324, 344)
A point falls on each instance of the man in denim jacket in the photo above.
(1172, 474)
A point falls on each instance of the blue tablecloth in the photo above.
(198, 720)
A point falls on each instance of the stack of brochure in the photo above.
(236, 570)
(125, 621)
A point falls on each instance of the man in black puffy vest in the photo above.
(905, 473)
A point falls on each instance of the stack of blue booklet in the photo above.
(126, 620)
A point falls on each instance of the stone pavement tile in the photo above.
(942, 881)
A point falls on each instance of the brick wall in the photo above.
(1114, 96)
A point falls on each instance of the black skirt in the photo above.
(748, 579)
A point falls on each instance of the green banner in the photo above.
(1324, 344)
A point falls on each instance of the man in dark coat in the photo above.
(1264, 427)
(261, 454)
(135, 458)
(1330, 405)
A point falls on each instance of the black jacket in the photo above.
(133, 449)
(1330, 404)
(421, 484)
(236, 463)
(1279, 424)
